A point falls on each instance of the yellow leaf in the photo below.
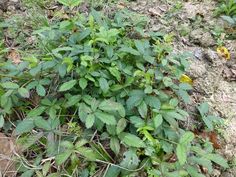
(186, 79)
(223, 52)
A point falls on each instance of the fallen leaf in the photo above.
(14, 56)
(186, 79)
(223, 52)
(212, 136)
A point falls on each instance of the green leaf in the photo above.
(122, 123)
(10, 85)
(113, 171)
(72, 100)
(67, 85)
(217, 159)
(203, 108)
(157, 120)
(115, 72)
(186, 138)
(142, 109)
(103, 84)
(23, 92)
(41, 123)
(36, 111)
(109, 105)
(115, 145)
(153, 101)
(208, 123)
(181, 153)
(61, 158)
(24, 126)
(106, 118)
(1, 121)
(167, 81)
(83, 83)
(90, 121)
(129, 50)
(87, 153)
(194, 172)
(46, 168)
(175, 115)
(131, 140)
(131, 160)
(40, 90)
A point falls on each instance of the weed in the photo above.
(101, 97)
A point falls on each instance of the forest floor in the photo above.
(194, 29)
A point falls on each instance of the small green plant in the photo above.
(228, 7)
(101, 97)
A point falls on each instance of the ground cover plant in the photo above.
(102, 97)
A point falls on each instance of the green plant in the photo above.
(102, 98)
(228, 7)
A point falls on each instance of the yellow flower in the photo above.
(186, 79)
(224, 52)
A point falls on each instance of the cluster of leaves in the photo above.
(228, 9)
(102, 98)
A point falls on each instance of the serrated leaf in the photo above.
(10, 85)
(90, 121)
(40, 90)
(103, 85)
(1, 121)
(181, 153)
(194, 172)
(153, 101)
(24, 126)
(83, 83)
(121, 125)
(87, 152)
(67, 85)
(106, 118)
(46, 168)
(129, 50)
(109, 105)
(186, 138)
(62, 157)
(36, 112)
(218, 159)
(115, 145)
(115, 72)
(176, 115)
(41, 123)
(142, 109)
(157, 120)
(23, 92)
(131, 140)
(203, 108)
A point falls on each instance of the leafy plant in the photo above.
(228, 7)
(102, 97)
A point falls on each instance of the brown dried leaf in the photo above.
(14, 56)
(7, 149)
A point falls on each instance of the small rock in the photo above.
(198, 53)
(216, 173)
(154, 12)
(227, 174)
(201, 37)
(211, 55)
(11, 8)
(197, 69)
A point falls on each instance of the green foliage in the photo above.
(103, 93)
(227, 7)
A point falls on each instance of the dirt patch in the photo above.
(7, 151)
